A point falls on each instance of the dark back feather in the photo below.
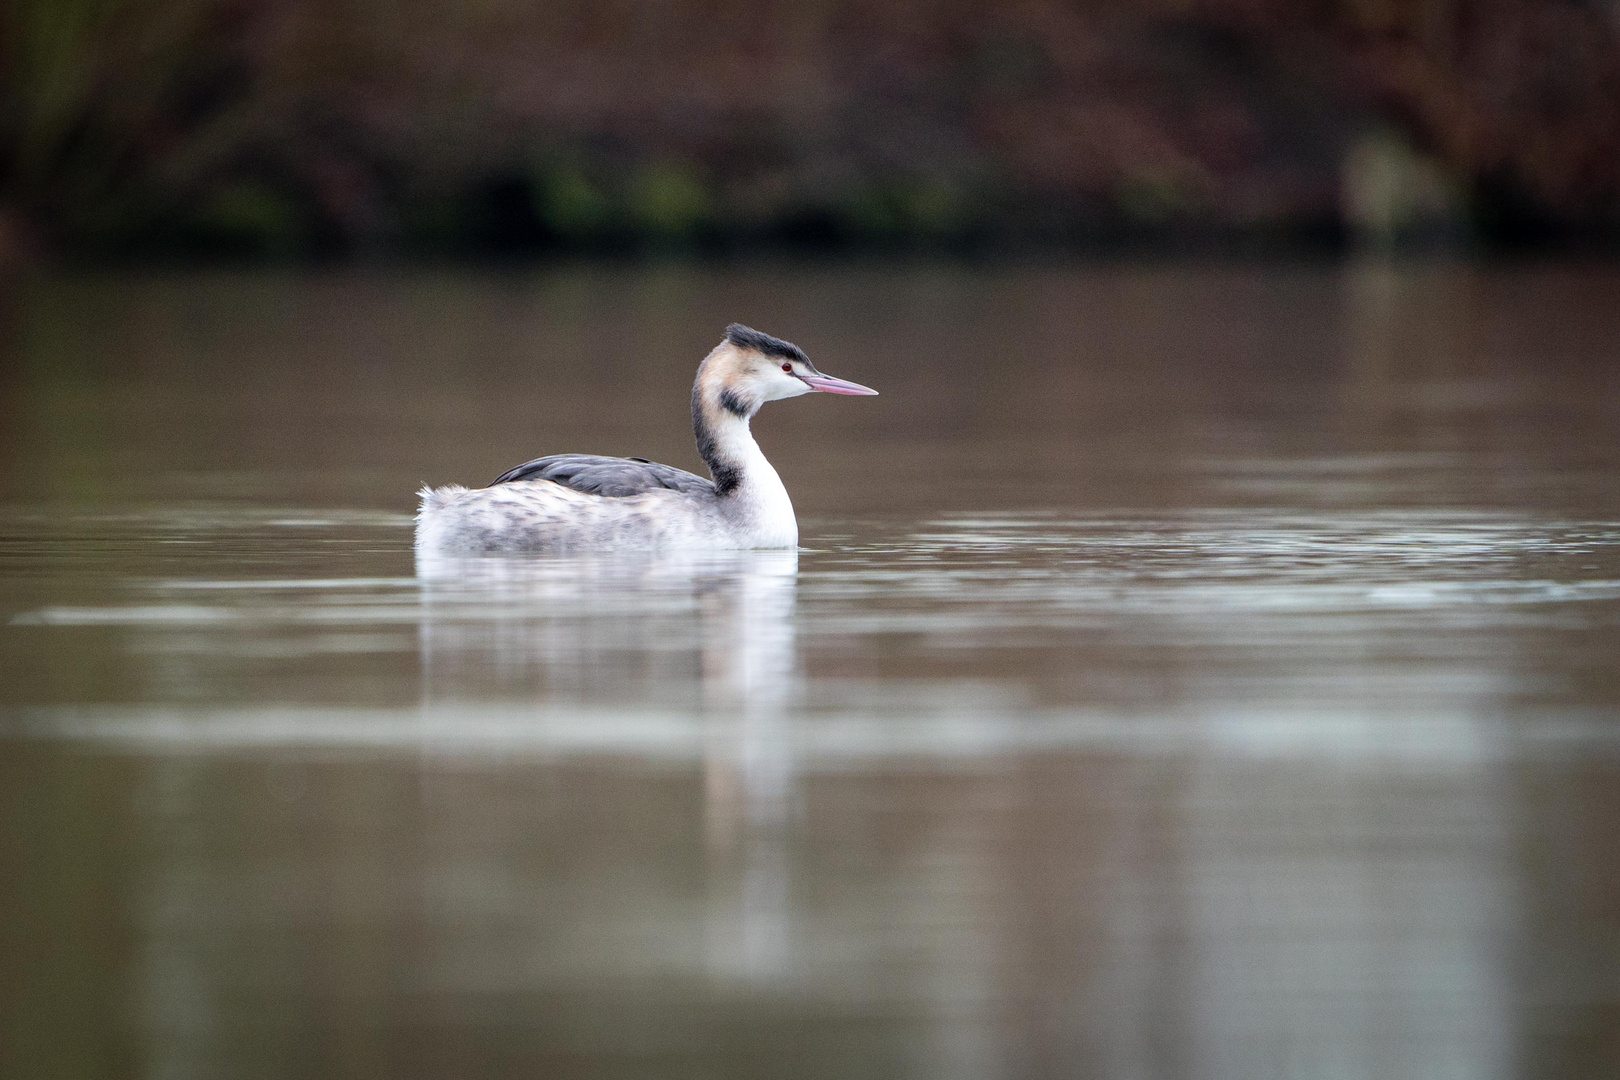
(613, 477)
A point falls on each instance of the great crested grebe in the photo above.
(579, 502)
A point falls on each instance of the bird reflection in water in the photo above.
(696, 642)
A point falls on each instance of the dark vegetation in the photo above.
(299, 128)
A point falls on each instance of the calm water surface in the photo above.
(1190, 671)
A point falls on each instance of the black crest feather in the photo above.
(747, 338)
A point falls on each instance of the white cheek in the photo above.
(781, 385)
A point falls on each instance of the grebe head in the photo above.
(749, 368)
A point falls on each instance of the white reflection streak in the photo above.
(574, 619)
(179, 1004)
(750, 771)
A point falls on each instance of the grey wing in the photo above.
(610, 476)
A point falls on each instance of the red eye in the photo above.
(788, 368)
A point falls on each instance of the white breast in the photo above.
(762, 509)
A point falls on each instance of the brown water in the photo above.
(1189, 672)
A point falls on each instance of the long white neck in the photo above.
(746, 481)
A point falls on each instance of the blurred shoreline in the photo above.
(294, 131)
